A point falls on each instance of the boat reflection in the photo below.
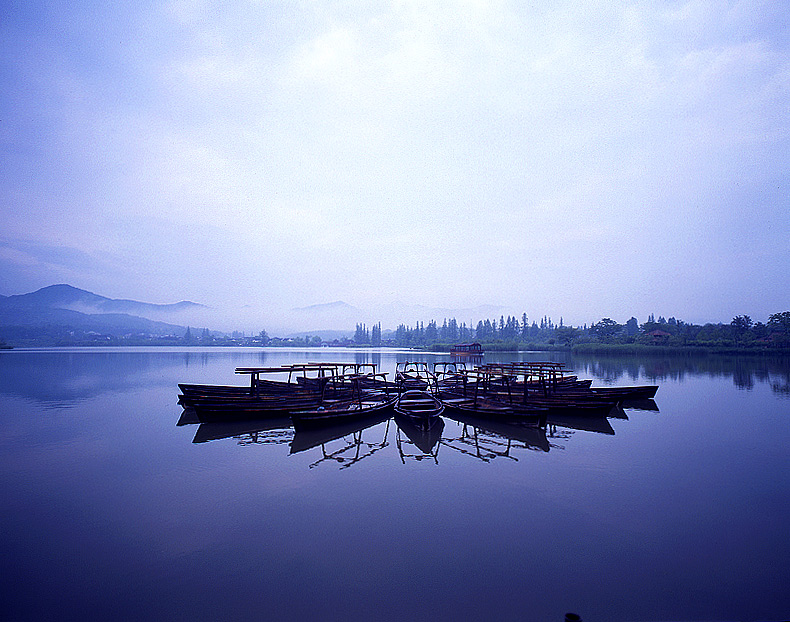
(349, 448)
(425, 438)
(486, 440)
(584, 423)
(351, 441)
(643, 404)
(188, 417)
(268, 431)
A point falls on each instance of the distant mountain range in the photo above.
(68, 297)
(60, 307)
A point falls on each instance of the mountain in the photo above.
(60, 309)
(63, 309)
(67, 297)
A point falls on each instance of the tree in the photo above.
(606, 328)
(632, 327)
(431, 332)
(452, 330)
(566, 334)
(779, 322)
(361, 335)
(741, 323)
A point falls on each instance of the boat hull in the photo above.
(341, 412)
(420, 407)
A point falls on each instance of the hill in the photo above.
(61, 311)
(67, 297)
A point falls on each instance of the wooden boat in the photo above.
(414, 375)
(366, 404)
(259, 386)
(223, 407)
(491, 409)
(644, 392)
(419, 406)
(471, 350)
(286, 379)
(495, 394)
(191, 393)
(331, 392)
(579, 407)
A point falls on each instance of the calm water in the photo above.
(112, 511)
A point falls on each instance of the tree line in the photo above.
(514, 332)
(506, 333)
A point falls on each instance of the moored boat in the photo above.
(420, 407)
(644, 392)
(471, 350)
(492, 409)
(414, 375)
(367, 404)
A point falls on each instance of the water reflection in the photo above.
(350, 447)
(644, 404)
(65, 377)
(583, 423)
(349, 443)
(487, 440)
(745, 371)
(271, 432)
(424, 439)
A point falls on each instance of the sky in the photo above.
(574, 159)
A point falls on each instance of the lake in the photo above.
(678, 511)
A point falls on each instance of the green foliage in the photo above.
(606, 328)
(566, 334)
(741, 323)
(779, 322)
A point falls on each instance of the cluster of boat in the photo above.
(324, 394)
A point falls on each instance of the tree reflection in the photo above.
(745, 371)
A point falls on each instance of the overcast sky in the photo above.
(583, 160)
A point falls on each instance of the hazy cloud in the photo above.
(610, 158)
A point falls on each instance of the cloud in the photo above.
(560, 159)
